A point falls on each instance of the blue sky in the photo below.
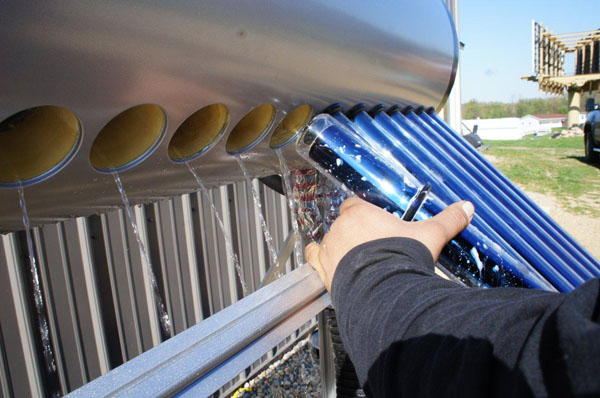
(497, 37)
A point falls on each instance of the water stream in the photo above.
(164, 319)
(38, 297)
(259, 211)
(226, 237)
(478, 261)
(289, 193)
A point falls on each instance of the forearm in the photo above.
(409, 331)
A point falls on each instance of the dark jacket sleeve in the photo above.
(411, 333)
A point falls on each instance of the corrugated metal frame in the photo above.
(66, 267)
(252, 257)
(5, 386)
(101, 308)
(23, 371)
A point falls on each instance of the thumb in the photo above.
(454, 218)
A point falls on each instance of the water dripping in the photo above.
(478, 262)
(287, 186)
(164, 319)
(38, 297)
(228, 242)
(259, 210)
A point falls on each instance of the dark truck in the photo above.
(592, 132)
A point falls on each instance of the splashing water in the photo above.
(287, 186)
(38, 298)
(164, 319)
(478, 262)
(259, 210)
(228, 242)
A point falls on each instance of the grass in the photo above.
(529, 141)
(554, 167)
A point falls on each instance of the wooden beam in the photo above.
(577, 33)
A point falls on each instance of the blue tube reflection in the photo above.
(513, 197)
(374, 172)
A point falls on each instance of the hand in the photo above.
(360, 222)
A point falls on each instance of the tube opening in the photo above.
(251, 129)
(198, 133)
(289, 127)
(37, 143)
(128, 139)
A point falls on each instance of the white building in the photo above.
(513, 128)
(507, 128)
(542, 124)
(530, 124)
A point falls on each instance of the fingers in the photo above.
(311, 253)
(455, 218)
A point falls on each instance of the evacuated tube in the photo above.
(490, 193)
(449, 183)
(341, 153)
(417, 159)
(494, 177)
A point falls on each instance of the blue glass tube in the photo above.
(495, 177)
(423, 165)
(512, 229)
(457, 257)
(449, 187)
(346, 158)
(388, 141)
(555, 251)
(324, 134)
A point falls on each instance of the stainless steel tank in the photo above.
(97, 59)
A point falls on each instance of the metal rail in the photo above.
(200, 360)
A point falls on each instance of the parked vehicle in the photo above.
(591, 132)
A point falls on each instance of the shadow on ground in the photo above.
(582, 160)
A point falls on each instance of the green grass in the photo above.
(553, 167)
(529, 141)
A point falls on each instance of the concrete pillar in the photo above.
(574, 107)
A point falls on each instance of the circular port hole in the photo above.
(198, 133)
(128, 139)
(289, 127)
(36, 143)
(251, 129)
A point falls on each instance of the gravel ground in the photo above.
(584, 228)
(296, 374)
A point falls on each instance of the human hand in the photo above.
(360, 222)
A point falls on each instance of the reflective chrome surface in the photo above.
(100, 58)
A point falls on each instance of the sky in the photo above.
(497, 37)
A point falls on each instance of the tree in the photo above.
(531, 106)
